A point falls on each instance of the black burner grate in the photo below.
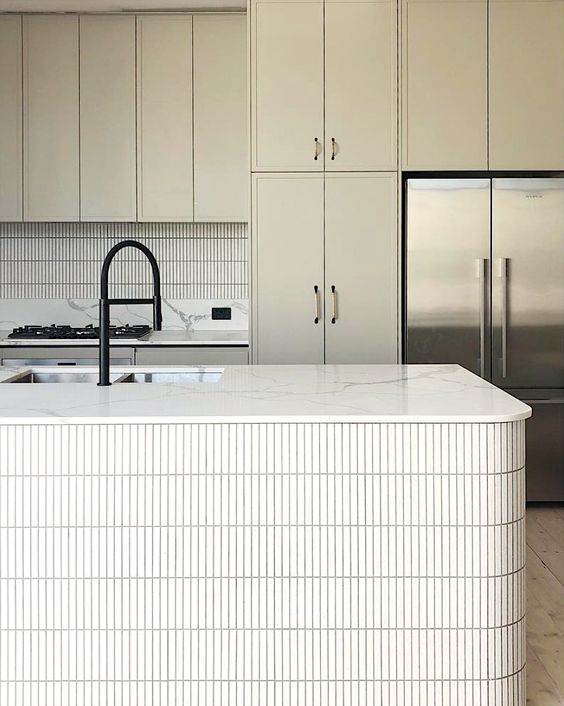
(63, 331)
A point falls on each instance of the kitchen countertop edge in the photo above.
(347, 394)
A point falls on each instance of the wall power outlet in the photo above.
(221, 312)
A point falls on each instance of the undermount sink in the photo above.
(60, 376)
(89, 374)
(164, 378)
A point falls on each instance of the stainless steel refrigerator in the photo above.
(484, 287)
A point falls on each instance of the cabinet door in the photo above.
(360, 86)
(194, 355)
(10, 118)
(288, 259)
(164, 111)
(444, 90)
(527, 84)
(287, 85)
(107, 118)
(220, 119)
(51, 138)
(24, 356)
(361, 266)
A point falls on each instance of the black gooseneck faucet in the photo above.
(106, 303)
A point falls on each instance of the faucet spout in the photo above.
(106, 303)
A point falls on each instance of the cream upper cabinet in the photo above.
(444, 84)
(360, 85)
(107, 118)
(526, 84)
(10, 118)
(287, 86)
(324, 85)
(164, 113)
(221, 161)
(361, 268)
(50, 118)
(288, 324)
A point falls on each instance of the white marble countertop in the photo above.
(155, 338)
(271, 393)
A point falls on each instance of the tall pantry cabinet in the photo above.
(324, 185)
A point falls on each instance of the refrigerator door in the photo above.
(545, 444)
(528, 282)
(447, 272)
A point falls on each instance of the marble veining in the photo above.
(178, 314)
(348, 393)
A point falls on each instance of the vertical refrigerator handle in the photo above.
(502, 273)
(483, 275)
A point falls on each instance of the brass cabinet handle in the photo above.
(317, 148)
(333, 148)
(333, 304)
(316, 298)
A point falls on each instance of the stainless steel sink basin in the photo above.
(83, 374)
(61, 376)
(164, 378)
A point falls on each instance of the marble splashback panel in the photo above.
(178, 314)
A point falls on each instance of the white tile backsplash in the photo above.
(198, 261)
(49, 273)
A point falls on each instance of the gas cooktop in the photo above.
(26, 333)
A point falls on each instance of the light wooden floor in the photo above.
(545, 606)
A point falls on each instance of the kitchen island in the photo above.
(305, 535)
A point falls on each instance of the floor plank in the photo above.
(551, 519)
(548, 548)
(544, 590)
(540, 689)
(545, 606)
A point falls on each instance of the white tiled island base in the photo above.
(262, 564)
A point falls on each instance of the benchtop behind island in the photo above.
(287, 535)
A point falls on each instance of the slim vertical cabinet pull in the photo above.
(503, 274)
(333, 148)
(316, 297)
(316, 149)
(483, 274)
(333, 304)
